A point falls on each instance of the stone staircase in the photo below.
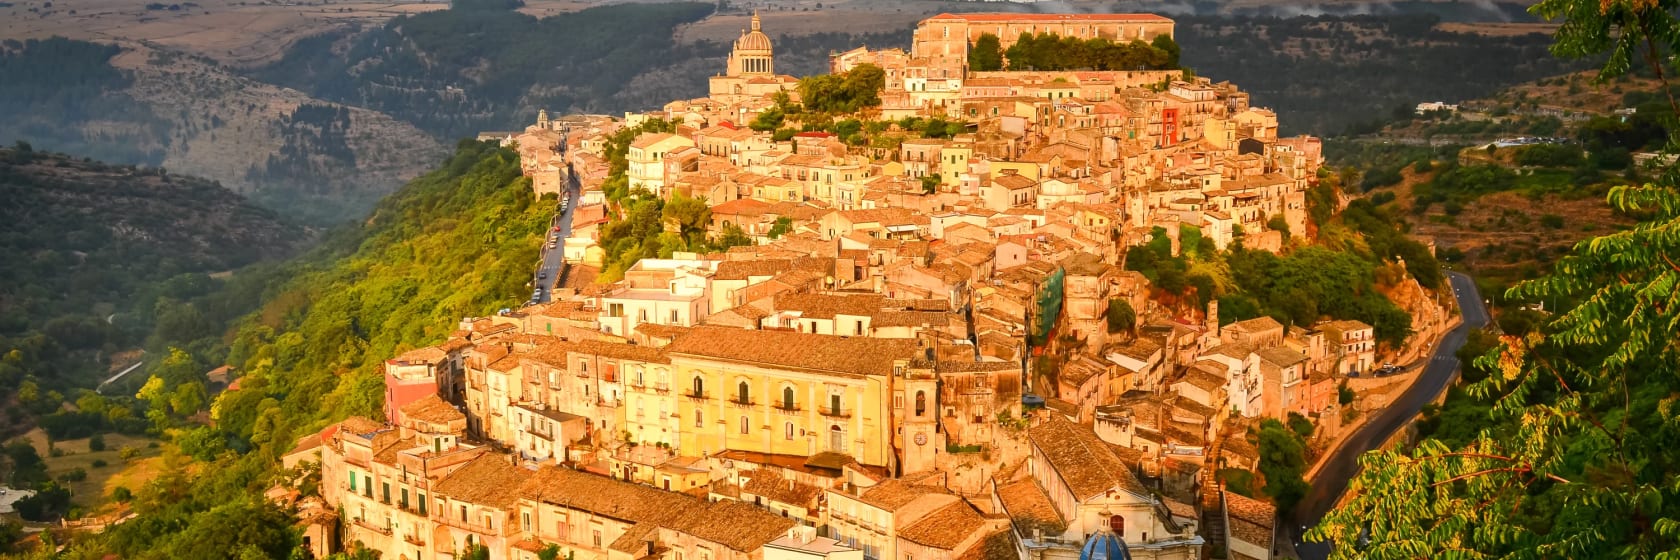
(1213, 507)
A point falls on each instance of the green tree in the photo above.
(1120, 316)
(96, 443)
(782, 226)
(1580, 456)
(1167, 45)
(1283, 461)
(767, 120)
(930, 183)
(849, 92)
(986, 55)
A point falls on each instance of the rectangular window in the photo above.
(463, 514)
(525, 518)
(385, 492)
(422, 502)
(404, 502)
(352, 482)
(367, 486)
(595, 536)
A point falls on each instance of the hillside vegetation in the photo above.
(318, 161)
(98, 257)
(458, 241)
(1326, 74)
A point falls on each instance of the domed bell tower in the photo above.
(752, 55)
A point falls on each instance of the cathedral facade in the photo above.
(751, 71)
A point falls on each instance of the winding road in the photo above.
(548, 271)
(1343, 465)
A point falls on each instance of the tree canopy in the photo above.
(986, 54)
(1578, 454)
(1054, 52)
(843, 93)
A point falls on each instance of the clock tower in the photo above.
(916, 412)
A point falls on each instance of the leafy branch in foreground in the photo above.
(1581, 455)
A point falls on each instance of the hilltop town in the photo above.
(919, 338)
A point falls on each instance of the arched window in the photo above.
(787, 431)
(921, 403)
(836, 439)
(742, 394)
(699, 386)
(699, 418)
(1117, 524)
(744, 428)
(787, 399)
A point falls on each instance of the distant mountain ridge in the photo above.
(318, 161)
(97, 255)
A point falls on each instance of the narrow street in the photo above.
(1343, 465)
(553, 259)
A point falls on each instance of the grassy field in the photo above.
(90, 493)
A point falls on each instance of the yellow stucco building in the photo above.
(789, 393)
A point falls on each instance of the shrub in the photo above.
(96, 443)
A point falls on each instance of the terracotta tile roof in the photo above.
(945, 528)
(1347, 325)
(827, 306)
(1252, 520)
(883, 216)
(961, 366)
(737, 525)
(1137, 349)
(743, 269)
(487, 480)
(1203, 380)
(1024, 498)
(646, 140)
(1081, 369)
(894, 494)
(433, 410)
(387, 444)
(1238, 350)
(634, 352)
(909, 319)
(1081, 460)
(633, 541)
(822, 353)
(427, 355)
(1281, 357)
(656, 330)
(599, 495)
(774, 486)
(362, 426)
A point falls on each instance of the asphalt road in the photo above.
(1332, 479)
(552, 259)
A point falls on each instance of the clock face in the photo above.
(921, 439)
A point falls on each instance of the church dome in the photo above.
(754, 40)
(1105, 546)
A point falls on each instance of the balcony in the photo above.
(740, 402)
(833, 412)
(359, 522)
(414, 540)
(789, 410)
(695, 395)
